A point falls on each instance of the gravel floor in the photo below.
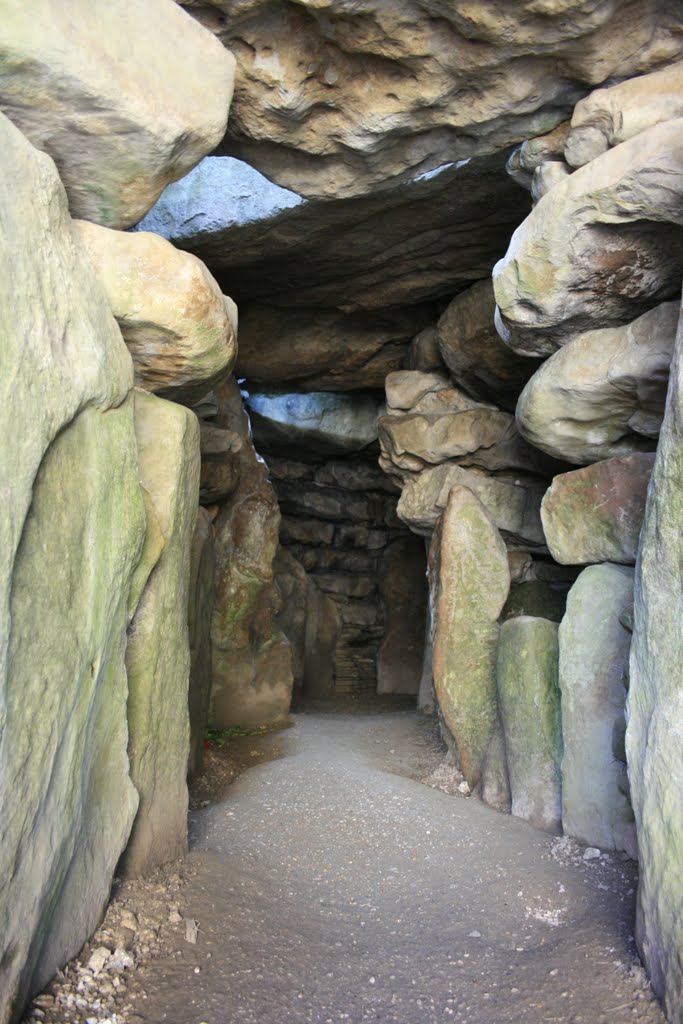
(328, 886)
(338, 873)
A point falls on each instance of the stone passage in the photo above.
(339, 525)
(459, 329)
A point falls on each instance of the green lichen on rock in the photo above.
(655, 729)
(158, 653)
(469, 581)
(594, 651)
(530, 711)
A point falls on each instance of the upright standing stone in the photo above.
(71, 530)
(594, 648)
(403, 590)
(252, 658)
(530, 711)
(654, 739)
(199, 624)
(158, 653)
(469, 581)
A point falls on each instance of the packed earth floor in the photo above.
(338, 873)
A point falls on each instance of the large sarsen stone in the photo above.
(71, 533)
(88, 82)
(469, 584)
(654, 736)
(600, 248)
(158, 652)
(594, 649)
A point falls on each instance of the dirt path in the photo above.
(328, 888)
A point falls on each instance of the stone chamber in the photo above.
(341, 353)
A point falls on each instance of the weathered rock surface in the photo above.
(603, 394)
(252, 662)
(529, 699)
(199, 628)
(544, 599)
(333, 99)
(513, 501)
(620, 218)
(310, 621)
(171, 312)
(407, 390)
(609, 116)
(494, 786)
(158, 651)
(403, 593)
(595, 514)
(339, 522)
(479, 361)
(469, 583)
(71, 533)
(524, 161)
(220, 471)
(426, 698)
(118, 139)
(594, 650)
(400, 246)
(546, 177)
(425, 353)
(324, 349)
(434, 436)
(321, 423)
(477, 436)
(292, 582)
(653, 741)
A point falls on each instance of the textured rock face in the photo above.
(220, 472)
(434, 436)
(310, 621)
(469, 583)
(595, 514)
(332, 99)
(594, 650)
(320, 423)
(199, 628)
(68, 553)
(524, 161)
(620, 218)
(171, 312)
(513, 501)
(252, 667)
(116, 138)
(158, 651)
(653, 742)
(477, 358)
(603, 394)
(610, 116)
(529, 699)
(396, 247)
(338, 520)
(476, 436)
(324, 349)
(403, 591)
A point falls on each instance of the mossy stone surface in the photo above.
(529, 699)
(654, 738)
(158, 652)
(469, 583)
(594, 651)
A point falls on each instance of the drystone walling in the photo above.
(445, 461)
